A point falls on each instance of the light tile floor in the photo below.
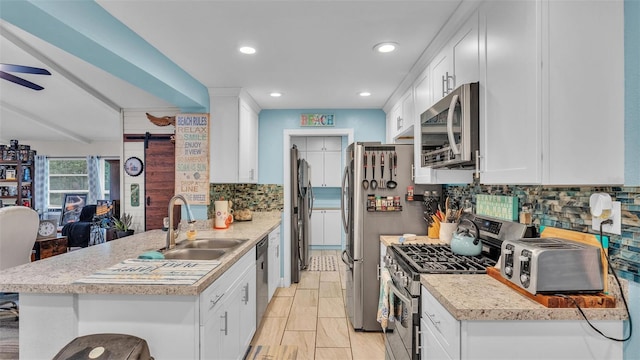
(312, 316)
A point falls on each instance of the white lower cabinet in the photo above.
(228, 311)
(326, 227)
(444, 337)
(274, 261)
(431, 348)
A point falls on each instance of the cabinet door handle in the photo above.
(225, 317)
(246, 294)
(444, 86)
(213, 302)
(477, 164)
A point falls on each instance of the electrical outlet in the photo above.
(616, 216)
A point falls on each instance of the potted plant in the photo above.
(123, 225)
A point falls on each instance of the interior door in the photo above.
(159, 169)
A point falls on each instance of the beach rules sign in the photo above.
(192, 157)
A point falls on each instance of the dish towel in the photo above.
(383, 301)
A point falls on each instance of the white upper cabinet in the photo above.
(552, 107)
(400, 119)
(510, 146)
(441, 74)
(422, 91)
(457, 63)
(324, 154)
(234, 137)
(248, 145)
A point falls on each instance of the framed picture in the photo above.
(71, 208)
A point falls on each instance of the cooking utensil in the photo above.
(395, 164)
(374, 183)
(382, 184)
(392, 163)
(365, 182)
(463, 243)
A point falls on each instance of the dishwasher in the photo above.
(262, 279)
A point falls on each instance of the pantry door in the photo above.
(159, 170)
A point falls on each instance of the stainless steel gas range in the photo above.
(406, 262)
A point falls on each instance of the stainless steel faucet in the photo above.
(171, 234)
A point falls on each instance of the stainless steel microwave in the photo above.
(450, 130)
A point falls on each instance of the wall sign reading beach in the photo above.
(318, 120)
(192, 157)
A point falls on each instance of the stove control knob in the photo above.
(524, 279)
(393, 267)
(507, 251)
(388, 260)
(508, 270)
(404, 281)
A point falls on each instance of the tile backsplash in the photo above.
(568, 208)
(255, 197)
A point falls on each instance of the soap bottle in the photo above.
(191, 233)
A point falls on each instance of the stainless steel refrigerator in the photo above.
(366, 215)
(301, 207)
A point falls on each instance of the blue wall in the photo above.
(367, 125)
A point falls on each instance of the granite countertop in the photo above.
(389, 240)
(57, 274)
(481, 297)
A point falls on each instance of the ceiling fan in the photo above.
(4, 74)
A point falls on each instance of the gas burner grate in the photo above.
(439, 259)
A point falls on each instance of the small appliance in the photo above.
(552, 265)
(450, 129)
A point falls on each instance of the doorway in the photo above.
(348, 133)
(159, 154)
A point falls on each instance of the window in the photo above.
(106, 170)
(65, 176)
(70, 175)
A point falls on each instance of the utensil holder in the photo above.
(446, 231)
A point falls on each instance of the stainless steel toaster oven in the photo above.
(552, 265)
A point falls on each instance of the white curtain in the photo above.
(95, 180)
(42, 184)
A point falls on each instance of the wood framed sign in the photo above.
(192, 158)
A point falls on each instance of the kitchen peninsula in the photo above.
(473, 316)
(55, 308)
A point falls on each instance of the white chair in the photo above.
(18, 232)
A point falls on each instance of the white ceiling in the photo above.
(318, 53)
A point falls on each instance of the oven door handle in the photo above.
(402, 297)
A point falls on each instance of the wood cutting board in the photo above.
(589, 239)
(553, 301)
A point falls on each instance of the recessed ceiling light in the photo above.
(364, 93)
(247, 50)
(276, 94)
(385, 47)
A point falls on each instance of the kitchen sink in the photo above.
(194, 254)
(210, 243)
